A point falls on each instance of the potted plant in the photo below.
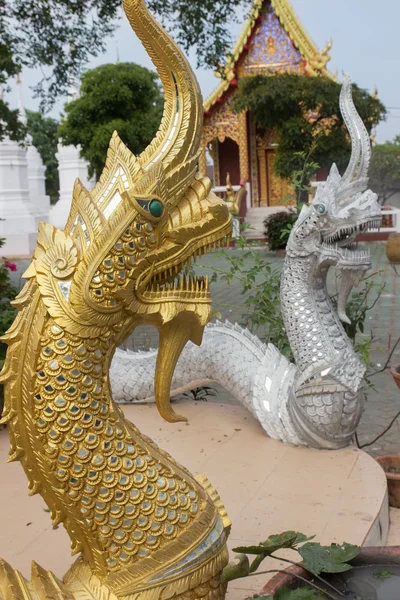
(330, 572)
(393, 248)
(391, 462)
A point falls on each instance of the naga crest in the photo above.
(342, 208)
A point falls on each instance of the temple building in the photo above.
(272, 41)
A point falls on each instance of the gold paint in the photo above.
(234, 199)
(130, 510)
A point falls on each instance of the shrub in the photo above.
(277, 228)
(7, 312)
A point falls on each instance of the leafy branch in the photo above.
(316, 559)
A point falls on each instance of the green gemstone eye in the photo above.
(321, 209)
(155, 208)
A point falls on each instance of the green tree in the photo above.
(384, 171)
(43, 131)
(123, 97)
(300, 110)
(60, 36)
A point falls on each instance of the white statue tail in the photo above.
(256, 374)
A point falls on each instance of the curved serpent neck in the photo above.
(120, 497)
(256, 374)
(228, 355)
(315, 332)
(326, 401)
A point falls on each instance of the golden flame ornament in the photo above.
(143, 525)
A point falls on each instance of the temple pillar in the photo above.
(215, 157)
(262, 170)
(243, 146)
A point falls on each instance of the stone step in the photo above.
(255, 218)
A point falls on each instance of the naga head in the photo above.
(343, 207)
(118, 263)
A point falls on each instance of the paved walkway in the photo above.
(267, 487)
(383, 322)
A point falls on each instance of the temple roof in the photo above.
(315, 61)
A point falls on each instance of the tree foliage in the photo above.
(60, 36)
(384, 172)
(43, 131)
(300, 109)
(123, 97)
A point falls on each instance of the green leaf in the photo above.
(236, 570)
(287, 539)
(328, 559)
(299, 594)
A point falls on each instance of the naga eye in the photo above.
(156, 208)
(320, 208)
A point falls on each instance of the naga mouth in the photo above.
(182, 300)
(344, 238)
(353, 261)
(177, 283)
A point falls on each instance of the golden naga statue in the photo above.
(145, 528)
(234, 199)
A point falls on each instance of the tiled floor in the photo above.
(267, 487)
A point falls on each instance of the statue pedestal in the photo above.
(267, 487)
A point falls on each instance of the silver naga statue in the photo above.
(318, 401)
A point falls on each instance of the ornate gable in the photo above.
(270, 49)
(272, 39)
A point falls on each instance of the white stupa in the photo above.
(70, 167)
(18, 223)
(37, 185)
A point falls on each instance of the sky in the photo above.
(365, 45)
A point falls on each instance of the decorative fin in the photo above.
(178, 137)
(12, 585)
(215, 497)
(360, 140)
(47, 586)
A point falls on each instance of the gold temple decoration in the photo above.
(145, 528)
(272, 40)
(234, 198)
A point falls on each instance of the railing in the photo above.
(390, 220)
(221, 190)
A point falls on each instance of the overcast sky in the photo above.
(365, 36)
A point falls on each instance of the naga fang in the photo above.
(145, 527)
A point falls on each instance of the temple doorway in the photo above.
(273, 191)
(228, 153)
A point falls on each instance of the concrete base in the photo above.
(18, 245)
(59, 213)
(267, 488)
